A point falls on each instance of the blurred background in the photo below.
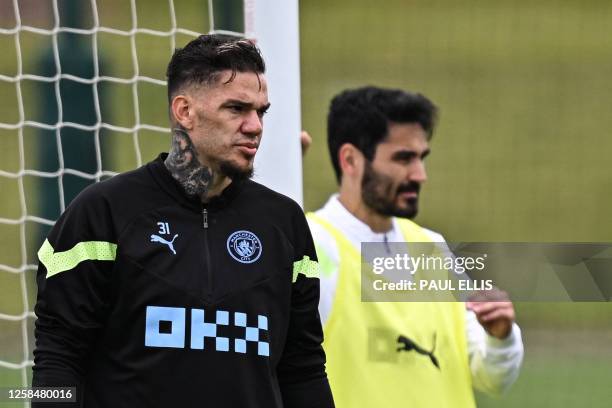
(521, 153)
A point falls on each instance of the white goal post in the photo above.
(279, 163)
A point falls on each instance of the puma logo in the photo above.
(406, 345)
(157, 238)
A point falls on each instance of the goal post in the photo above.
(278, 164)
(135, 130)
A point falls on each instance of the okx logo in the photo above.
(166, 327)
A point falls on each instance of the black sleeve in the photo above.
(73, 279)
(301, 370)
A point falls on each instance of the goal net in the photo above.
(83, 97)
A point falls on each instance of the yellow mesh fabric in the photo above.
(57, 262)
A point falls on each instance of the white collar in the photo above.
(354, 229)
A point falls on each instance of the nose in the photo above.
(252, 124)
(418, 173)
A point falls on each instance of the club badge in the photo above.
(244, 246)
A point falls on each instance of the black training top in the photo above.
(147, 298)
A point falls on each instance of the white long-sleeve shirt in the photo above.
(494, 363)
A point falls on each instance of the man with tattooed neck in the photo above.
(184, 282)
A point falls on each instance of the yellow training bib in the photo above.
(364, 366)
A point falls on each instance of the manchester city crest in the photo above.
(244, 246)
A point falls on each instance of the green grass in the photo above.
(11, 378)
(520, 154)
(565, 381)
(521, 150)
(562, 368)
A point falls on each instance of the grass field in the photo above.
(521, 152)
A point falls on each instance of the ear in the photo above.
(181, 109)
(351, 160)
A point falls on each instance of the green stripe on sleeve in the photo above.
(57, 262)
(306, 267)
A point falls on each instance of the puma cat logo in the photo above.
(157, 238)
(405, 344)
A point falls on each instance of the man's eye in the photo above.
(262, 112)
(236, 108)
(404, 160)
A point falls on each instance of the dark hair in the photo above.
(361, 117)
(203, 58)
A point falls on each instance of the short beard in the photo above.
(378, 194)
(233, 172)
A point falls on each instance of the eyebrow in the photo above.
(245, 104)
(409, 154)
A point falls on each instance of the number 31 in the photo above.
(164, 228)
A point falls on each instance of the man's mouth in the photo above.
(408, 194)
(409, 191)
(248, 148)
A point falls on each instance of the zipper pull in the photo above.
(205, 217)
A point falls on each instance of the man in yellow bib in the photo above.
(396, 354)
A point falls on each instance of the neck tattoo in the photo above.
(183, 164)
